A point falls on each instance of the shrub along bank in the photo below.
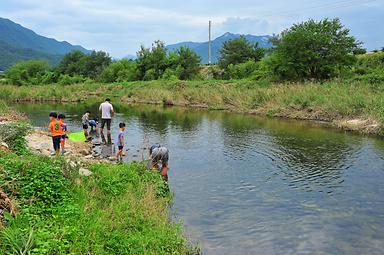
(119, 209)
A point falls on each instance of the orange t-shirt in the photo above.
(56, 128)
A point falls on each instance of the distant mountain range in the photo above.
(20, 43)
(201, 48)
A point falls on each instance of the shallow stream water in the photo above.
(251, 185)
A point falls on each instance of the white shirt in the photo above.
(106, 110)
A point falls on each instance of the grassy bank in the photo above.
(119, 209)
(334, 101)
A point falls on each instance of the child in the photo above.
(120, 142)
(93, 124)
(56, 132)
(85, 123)
(61, 118)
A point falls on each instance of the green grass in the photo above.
(120, 209)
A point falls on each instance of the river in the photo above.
(252, 185)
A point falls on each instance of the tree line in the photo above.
(315, 50)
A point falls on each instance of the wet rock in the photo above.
(84, 172)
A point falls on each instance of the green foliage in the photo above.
(65, 79)
(119, 71)
(313, 50)
(152, 62)
(120, 209)
(185, 62)
(13, 133)
(79, 63)
(31, 72)
(370, 68)
(243, 70)
(239, 50)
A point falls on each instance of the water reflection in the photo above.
(250, 185)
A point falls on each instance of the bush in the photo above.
(13, 134)
(31, 72)
(242, 71)
(119, 71)
(120, 209)
(66, 79)
(371, 61)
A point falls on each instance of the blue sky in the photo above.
(120, 26)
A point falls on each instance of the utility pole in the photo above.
(209, 45)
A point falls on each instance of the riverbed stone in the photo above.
(84, 172)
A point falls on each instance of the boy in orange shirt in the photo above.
(56, 131)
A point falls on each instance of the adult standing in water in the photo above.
(106, 110)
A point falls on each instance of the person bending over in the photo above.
(159, 154)
(93, 124)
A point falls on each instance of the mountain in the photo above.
(20, 43)
(201, 48)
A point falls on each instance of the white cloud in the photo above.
(120, 26)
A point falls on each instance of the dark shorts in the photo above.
(85, 126)
(64, 137)
(56, 142)
(120, 147)
(106, 121)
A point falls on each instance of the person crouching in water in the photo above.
(61, 118)
(120, 142)
(56, 131)
(93, 124)
(85, 123)
(159, 154)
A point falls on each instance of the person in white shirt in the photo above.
(106, 110)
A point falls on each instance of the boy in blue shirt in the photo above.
(120, 142)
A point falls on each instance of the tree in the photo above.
(79, 63)
(72, 63)
(239, 50)
(313, 50)
(29, 72)
(185, 62)
(123, 70)
(151, 63)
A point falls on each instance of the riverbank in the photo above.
(50, 206)
(350, 105)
